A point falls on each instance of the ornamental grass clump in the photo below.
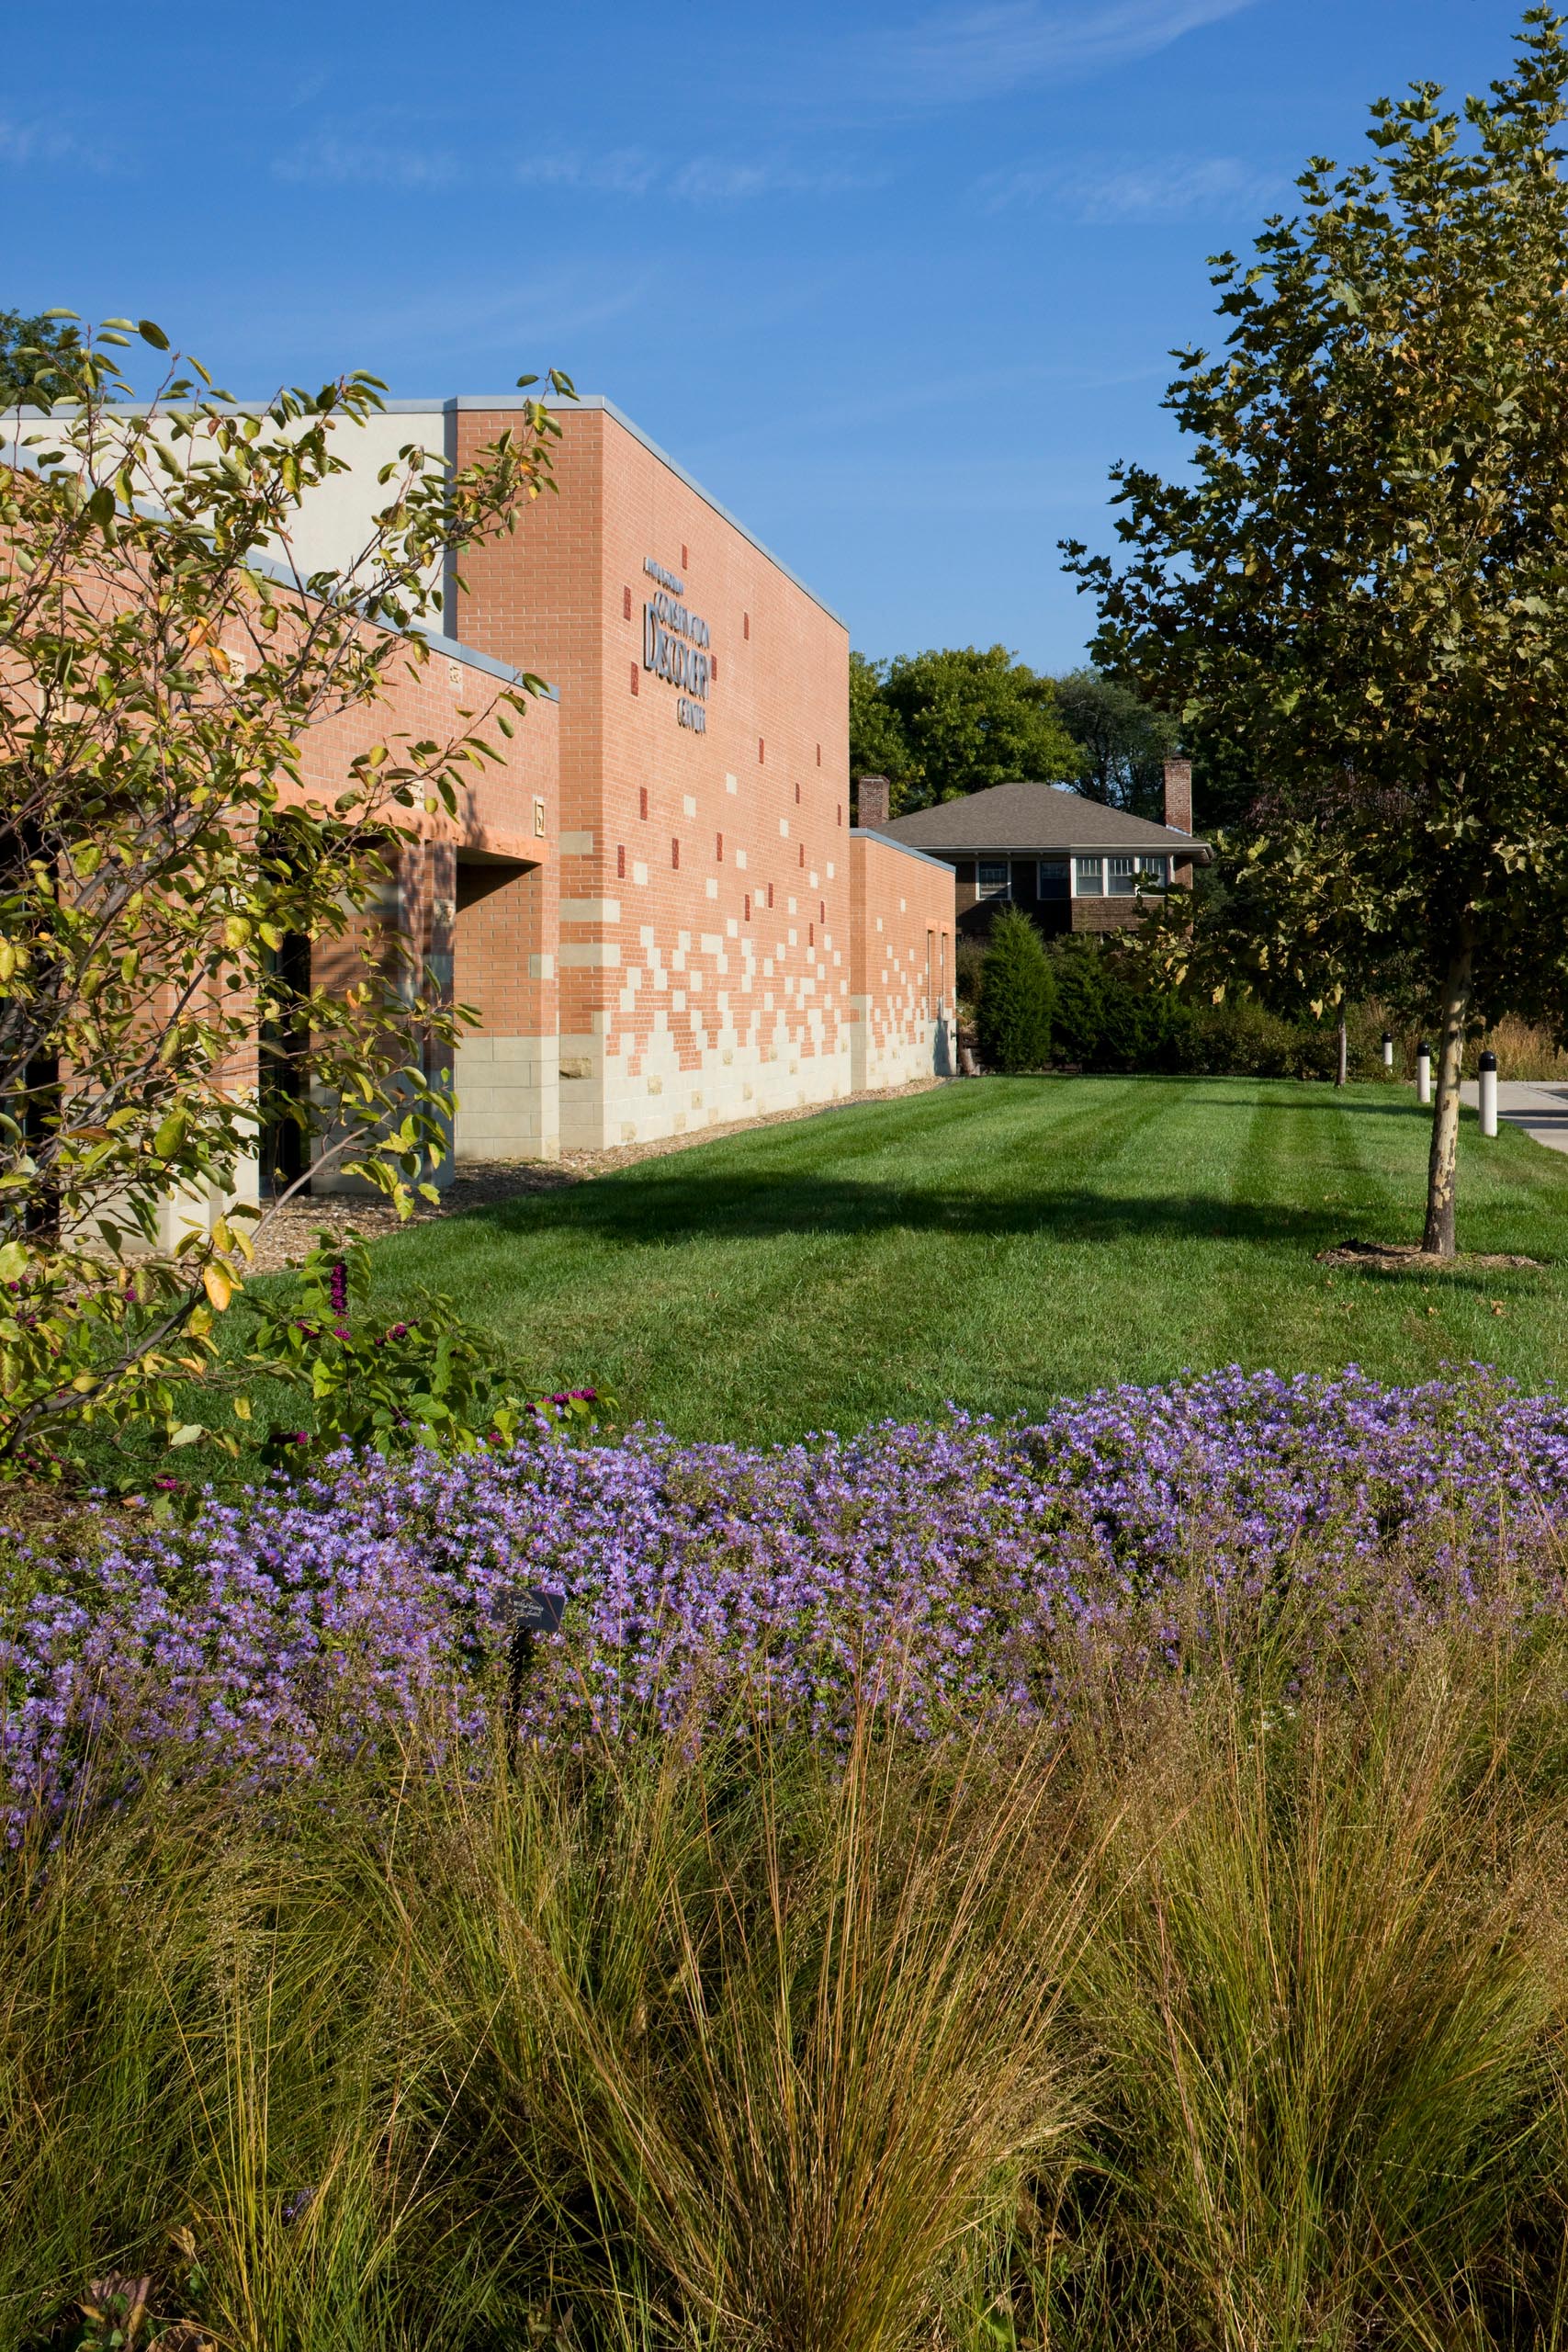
(1329, 1998)
(750, 2043)
(1217, 2019)
(773, 2032)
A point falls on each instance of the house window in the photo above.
(1053, 877)
(1155, 872)
(991, 878)
(1123, 878)
(1090, 881)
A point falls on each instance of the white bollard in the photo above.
(1488, 1094)
(1423, 1073)
(1387, 1050)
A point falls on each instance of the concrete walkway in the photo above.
(1541, 1111)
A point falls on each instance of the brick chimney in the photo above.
(875, 800)
(1178, 795)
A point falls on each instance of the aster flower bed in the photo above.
(955, 1569)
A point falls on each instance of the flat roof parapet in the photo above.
(456, 404)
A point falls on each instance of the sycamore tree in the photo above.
(162, 667)
(1363, 577)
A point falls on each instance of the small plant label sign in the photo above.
(529, 1609)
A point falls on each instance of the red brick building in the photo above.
(655, 900)
(700, 934)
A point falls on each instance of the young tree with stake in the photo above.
(1365, 576)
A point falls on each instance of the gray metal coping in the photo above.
(12, 454)
(870, 833)
(516, 400)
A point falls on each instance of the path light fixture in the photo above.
(1423, 1072)
(1388, 1049)
(1488, 1094)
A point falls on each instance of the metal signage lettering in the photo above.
(675, 642)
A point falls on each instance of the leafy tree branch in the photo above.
(174, 688)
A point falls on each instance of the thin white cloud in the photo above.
(980, 53)
(499, 324)
(834, 421)
(366, 160)
(1112, 196)
(705, 179)
(1008, 485)
(326, 159)
(623, 171)
(709, 179)
(29, 144)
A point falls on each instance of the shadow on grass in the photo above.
(634, 1210)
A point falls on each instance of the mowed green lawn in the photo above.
(1001, 1242)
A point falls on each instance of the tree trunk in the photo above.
(1440, 1234)
(1342, 1070)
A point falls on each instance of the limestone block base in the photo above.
(507, 1099)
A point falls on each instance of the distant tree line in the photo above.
(960, 718)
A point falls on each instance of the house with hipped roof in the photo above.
(1072, 864)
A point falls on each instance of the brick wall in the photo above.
(475, 896)
(706, 895)
(655, 922)
(901, 973)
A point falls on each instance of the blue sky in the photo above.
(897, 284)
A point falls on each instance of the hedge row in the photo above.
(1077, 1004)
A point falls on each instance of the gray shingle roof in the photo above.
(1030, 820)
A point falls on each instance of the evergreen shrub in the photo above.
(1017, 994)
(1111, 1013)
